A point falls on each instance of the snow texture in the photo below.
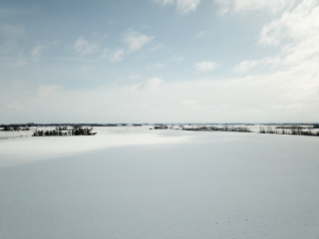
(144, 184)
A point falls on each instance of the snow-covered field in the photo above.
(144, 184)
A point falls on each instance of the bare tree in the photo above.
(309, 128)
(226, 127)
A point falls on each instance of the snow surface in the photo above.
(138, 183)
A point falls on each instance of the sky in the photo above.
(159, 61)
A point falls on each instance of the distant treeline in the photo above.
(226, 127)
(314, 125)
(63, 124)
(291, 129)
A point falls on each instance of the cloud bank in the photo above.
(278, 87)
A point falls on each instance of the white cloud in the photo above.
(294, 71)
(165, 2)
(186, 6)
(182, 6)
(152, 83)
(37, 51)
(244, 6)
(299, 24)
(117, 55)
(206, 66)
(84, 47)
(135, 40)
(296, 33)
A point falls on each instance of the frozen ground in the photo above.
(144, 184)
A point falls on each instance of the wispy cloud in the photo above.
(157, 47)
(38, 51)
(296, 33)
(47, 90)
(113, 56)
(244, 6)
(245, 66)
(135, 40)
(150, 85)
(206, 66)
(172, 59)
(110, 22)
(299, 24)
(182, 6)
(117, 55)
(201, 34)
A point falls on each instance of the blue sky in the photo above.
(159, 61)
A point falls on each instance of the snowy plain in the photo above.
(138, 183)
